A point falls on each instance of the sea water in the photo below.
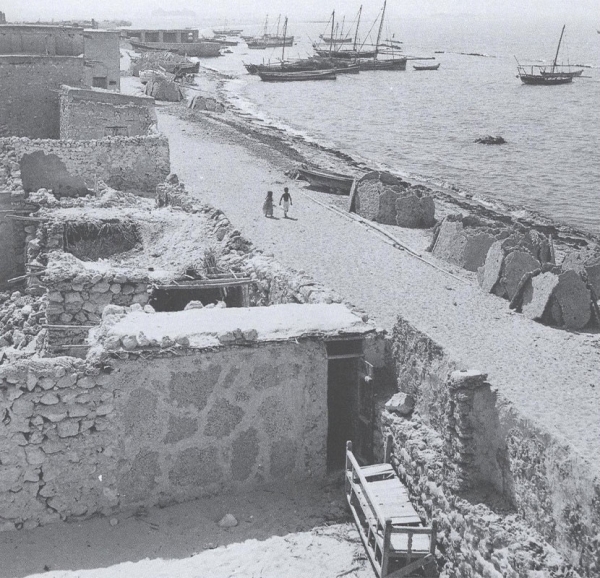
(424, 124)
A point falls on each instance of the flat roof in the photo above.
(275, 323)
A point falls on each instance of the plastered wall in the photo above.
(75, 440)
(29, 93)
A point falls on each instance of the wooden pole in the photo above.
(284, 36)
(357, 25)
(388, 448)
(558, 48)
(380, 29)
(331, 39)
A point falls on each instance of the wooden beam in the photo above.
(69, 327)
(408, 569)
(207, 284)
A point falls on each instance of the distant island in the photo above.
(160, 13)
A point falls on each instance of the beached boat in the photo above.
(184, 41)
(198, 49)
(305, 64)
(337, 40)
(327, 180)
(272, 76)
(426, 66)
(542, 76)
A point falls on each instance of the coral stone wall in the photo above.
(75, 441)
(134, 164)
(94, 114)
(484, 442)
(29, 100)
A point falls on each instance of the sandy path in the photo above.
(553, 375)
(278, 526)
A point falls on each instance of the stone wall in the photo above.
(75, 440)
(134, 164)
(29, 101)
(41, 40)
(94, 114)
(487, 452)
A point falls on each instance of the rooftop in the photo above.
(275, 323)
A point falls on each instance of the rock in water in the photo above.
(228, 521)
(490, 140)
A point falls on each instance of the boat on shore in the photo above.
(327, 180)
(426, 66)
(198, 49)
(267, 40)
(539, 75)
(305, 64)
(300, 75)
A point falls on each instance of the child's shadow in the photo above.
(291, 218)
(274, 218)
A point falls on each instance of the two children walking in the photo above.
(285, 202)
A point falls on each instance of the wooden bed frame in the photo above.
(394, 538)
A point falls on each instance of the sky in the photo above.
(244, 11)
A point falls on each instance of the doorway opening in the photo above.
(345, 360)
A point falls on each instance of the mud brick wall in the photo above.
(101, 49)
(93, 114)
(29, 100)
(483, 441)
(41, 40)
(76, 441)
(134, 164)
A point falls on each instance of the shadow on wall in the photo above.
(42, 171)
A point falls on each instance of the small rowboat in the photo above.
(320, 179)
(426, 66)
(269, 76)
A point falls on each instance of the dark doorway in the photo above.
(177, 299)
(341, 387)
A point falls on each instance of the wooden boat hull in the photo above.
(328, 40)
(539, 80)
(269, 76)
(198, 49)
(426, 67)
(573, 74)
(345, 54)
(273, 42)
(394, 64)
(333, 182)
(229, 32)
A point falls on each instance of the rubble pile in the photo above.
(509, 259)
(587, 263)
(386, 199)
(163, 89)
(159, 61)
(21, 320)
(207, 103)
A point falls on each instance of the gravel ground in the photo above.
(553, 376)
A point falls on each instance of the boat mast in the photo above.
(266, 26)
(357, 25)
(284, 35)
(278, 22)
(380, 29)
(559, 41)
(331, 39)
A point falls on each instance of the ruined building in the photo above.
(36, 60)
